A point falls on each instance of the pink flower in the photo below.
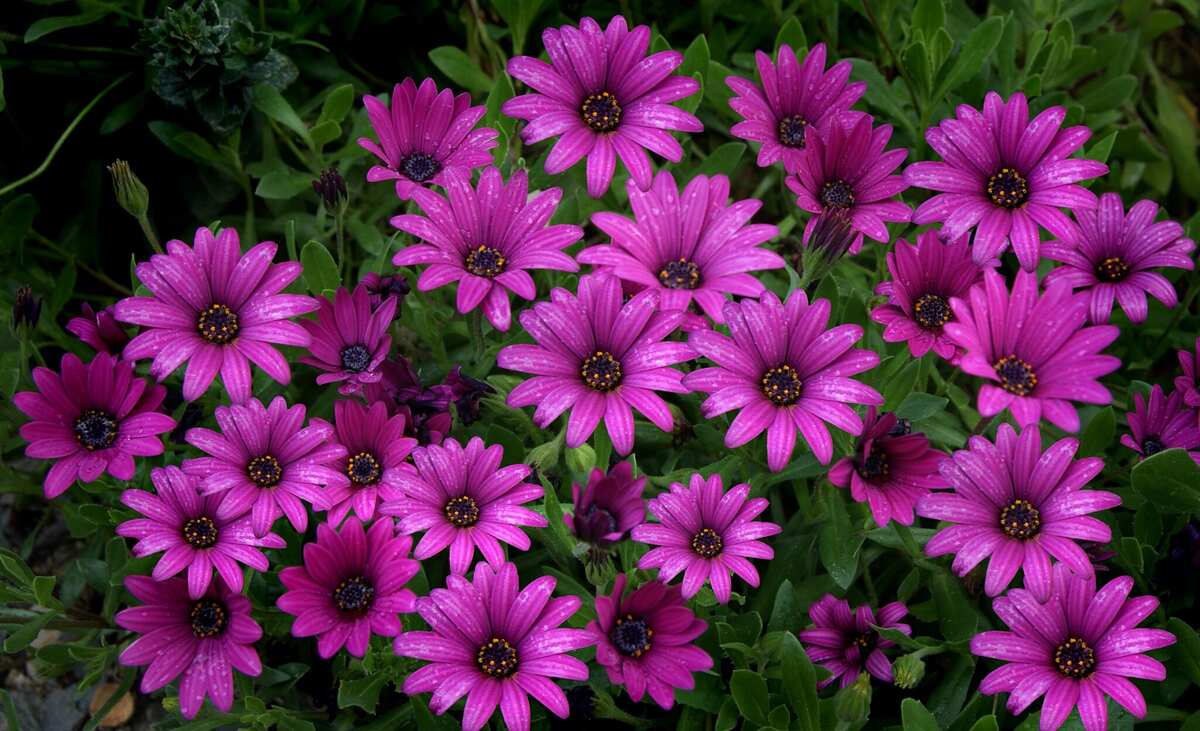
(350, 339)
(376, 452)
(846, 642)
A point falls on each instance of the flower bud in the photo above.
(831, 237)
(909, 670)
(131, 193)
(852, 704)
(332, 189)
(581, 458)
(598, 567)
(26, 308)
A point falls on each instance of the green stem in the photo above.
(340, 222)
(148, 232)
(70, 257)
(475, 323)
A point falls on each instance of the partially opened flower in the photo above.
(91, 419)
(184, 527)
(466, 393)
(463, 499)
(1019, 507)
(376, 449)
(689, 245)
(1115, 257)
(203, 640)
(1164, 422)
(487, 239)
(496, 644)
(350, 339)
(606, 98)
(99, 329)
(1033, 350)
(1078, 649)
(645, 640)
(381, 287)
(786, 374)
(217, 310)
(891, 469)
(925, 277)
(846, 642)
(267, 462)
(794, 97)
(351, 586)
(1189, 382)
(706, 533)
(424, 134)
(600, 358)
(426, 409)
(1003, 176)
(608, 507)
(846, 167)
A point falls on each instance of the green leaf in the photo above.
(282, 184)
(3, 103)
(362, 692)
(838, 548)
(325, 132)
(900, 386)
(1187, 648)
(749, 692)
(519, 15)
(929, 16)
(916, 60)
(1108, 93)
(785, 614)
(791, 33)
(459, 68)
(695, 58)
(1178, 133)
(987, 723)
(337, 104)
(917, 406)
(1098, 433)
(723, 160)
(1170, 480)
(916, 717)
(320, 271)
(27, 632)
(973, 56)
(46, 26)
(958, 618)
(16, 218)
(270, 102)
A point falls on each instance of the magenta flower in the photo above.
(644, 640)
(846, 642)
(1114, 256)
(1077, 649)
(350, 339)
(217, 310)
(925, 277)
(1034, 351)
(496, 644)
(91, 419)
(845, 167)
(785, 372)
(1189, 383)
(609, 506)
(376, 450)
(891, 469)
(350, 586)
(425, 134)
(204, 640)
(381, 287)
(1004, 176)
(99, 330)
(184, 526)
(1163, 423)
(686, 245)
(266, 462)
(794, 98)
(706, 533)
(606, 98)
(600, 359)
(1019, 506)
(463, 499)
(486, 238)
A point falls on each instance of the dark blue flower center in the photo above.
(597, 515)
(782, 385)
(95, 429)
(217, 324)
(837, 194)
(1075, 658)
(1019, 519)
(1008, 188)
(419, 167)
(707, 544)
(901, 428)
(1152, 445)
(792, 130)
(200, 532)
(209, 618)
(1016, 376)
(484, 261)
(354, 594)
(631, 636)
(931, 311)
(679, 274)
(875, 465)
(265, 471)
(601, 112)
(1112, 269)
(601, 371)
(462, 511)
(355, 358)
(497, 658)
(363, 469)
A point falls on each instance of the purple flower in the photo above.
(424, 135)
(495, 646)
(184, 526)
(204, 640)
(606, 98)
(1004, 176)
(487, 238)
(376, 449)
(91, 419)
(426, 409)
(785, 372)
(846, 642)
(1034, 351)
(383, 286)
(217, 310)
(686, 245)
(644, 640)
(845, 167)
(466, 393)
(1077, 649)
(350, 339)
(1164, 423)
(266, 462)
(1114, 256)
(609, 506)
(794, 98)
(350, 587)
(925, 277)
(1019, 506)
(706, 533)
(463, 499)
(99, 330)
(598, 358)
(1189, 383)
(891, 469)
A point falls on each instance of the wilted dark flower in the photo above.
(466, 393)
(26, 308)
(427, 409)
(608, 507)
(131, 192)
(332, 189)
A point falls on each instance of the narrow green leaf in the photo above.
(723, 160)
(459, 68)
(1098, 433)
(973, 55)
(929, 16)
(27, 632)
(282, 184)
(791, 34)
(695, 58)
(270, 102)
(337, 104)
(749, 692)
(917, 406)
(46, 26)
